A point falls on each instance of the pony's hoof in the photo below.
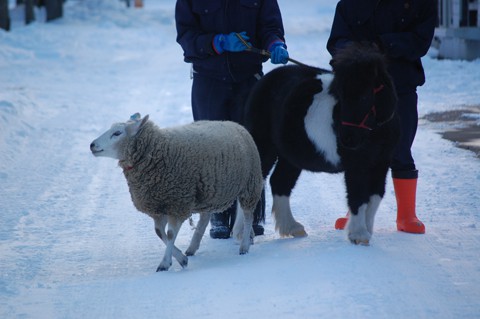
(299, 233)
(364, 242)
(360, 237)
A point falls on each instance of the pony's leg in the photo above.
(248, 234)
(378, 177)
(285, 224)
(198, 234)
(358, 201)
(174, 225)
(160, 223)
(357, 227)
(372, 211)
(282, 181)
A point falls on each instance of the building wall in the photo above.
(458, 33)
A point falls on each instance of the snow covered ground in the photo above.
(73, 246)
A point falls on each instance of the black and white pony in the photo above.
(305, 118)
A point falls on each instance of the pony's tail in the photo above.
(259, 212)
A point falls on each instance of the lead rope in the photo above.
(268, 54)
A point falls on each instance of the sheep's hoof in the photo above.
(183, 262)
(244, 251)
(189, 252)
(163, 268)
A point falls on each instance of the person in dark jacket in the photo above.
(403, 31)
(212, 35)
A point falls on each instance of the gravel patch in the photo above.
(459, 126)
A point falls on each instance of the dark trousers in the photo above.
(407, 110)
(216, 100)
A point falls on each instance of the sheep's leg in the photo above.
(248, 233)
(198, 234)
(174, 225)
(237, 231)
(160, 223)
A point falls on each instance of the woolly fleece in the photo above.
(200, 167)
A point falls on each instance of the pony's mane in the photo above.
(358, 54)
(358, 66)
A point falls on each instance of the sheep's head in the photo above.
(112, 142)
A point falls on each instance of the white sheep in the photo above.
(202, 167)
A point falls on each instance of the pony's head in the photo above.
(364, 91)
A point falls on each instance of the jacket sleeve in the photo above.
(196, 44)
(414, 43)
(270, 28)
(340, 33)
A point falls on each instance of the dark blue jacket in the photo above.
(403, 29)
(198, 21)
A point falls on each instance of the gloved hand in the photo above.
(278, 53)
(229, 42)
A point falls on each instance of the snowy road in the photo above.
(73, 246)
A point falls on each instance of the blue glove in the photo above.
(229, 42)
(278, 53)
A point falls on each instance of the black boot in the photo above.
(258, 229)
(221, 223)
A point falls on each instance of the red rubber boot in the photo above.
(341, 222)
(405, 186)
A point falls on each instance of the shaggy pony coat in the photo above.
(305, 118)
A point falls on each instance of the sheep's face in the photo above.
(112, 142)
(108, 144)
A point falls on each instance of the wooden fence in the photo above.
(54, 10)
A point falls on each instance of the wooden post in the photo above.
(4, 17)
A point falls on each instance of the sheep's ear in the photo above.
(145, 119)
(135, 124)
(135, 117)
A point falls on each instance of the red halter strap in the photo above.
(125, 166)
(372, 111)
(378, 89)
